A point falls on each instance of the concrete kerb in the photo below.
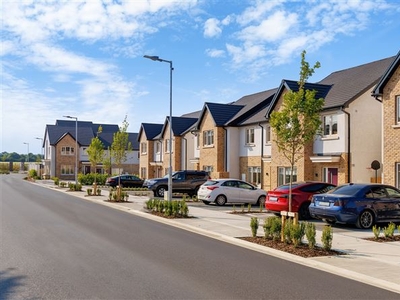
(327, 264)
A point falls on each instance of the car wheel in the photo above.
(221, 200)
(160, 191)
(261, 201)
(304, 213)
(206, 202)
(365, 220)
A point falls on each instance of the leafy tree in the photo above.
(298, 121)
(95, 152)
(107, 161)
(119, 148)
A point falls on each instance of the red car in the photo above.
(302, 192)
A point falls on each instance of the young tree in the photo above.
(298, 121)
(107, 161)
(95, 152)
(119, 148)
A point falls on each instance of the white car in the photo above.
(230, 190)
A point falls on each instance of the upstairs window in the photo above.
(143, 148)
(398, 110)
(284, 175)
(158, 147)
(208, 138)
(330, 125)
(167, 150)
(67, 150)
(268, 134)
(249, 136)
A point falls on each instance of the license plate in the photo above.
(273, 198)
(323, 203)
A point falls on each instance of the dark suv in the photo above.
(186, 181)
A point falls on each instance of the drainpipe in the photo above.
(185, 153)
(348, 145)
(262, 155)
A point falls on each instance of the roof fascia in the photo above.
(378, 91)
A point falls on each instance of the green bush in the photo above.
(89, 192)
(254, 226)
(310, 234)
(272, 227)
(377, 231)
(297, 232)
(33, 174)
(88, 179)
(56, 180)
(75, 186)
(174, 208)
(327, 237)
(389, 230)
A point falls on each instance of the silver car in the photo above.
(228, 190)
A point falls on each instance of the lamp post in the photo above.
(27, 158)
(156, 58)
(42, 152)
(76, 146)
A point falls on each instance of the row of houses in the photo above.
(360, 139)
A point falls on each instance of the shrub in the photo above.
(254, 226)
(377, 231)
(389, 230)
(297, 232)
(75, 186)
(272, 227)
(98, 192)
(56, 180)
(310, 234)
(88, 179)
(327, 236)
(89, 191)
(249, 207)
(33, 174)
(172, 208)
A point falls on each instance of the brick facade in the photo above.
(391, 130)
(66, 141)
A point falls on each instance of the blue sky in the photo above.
(85, 58)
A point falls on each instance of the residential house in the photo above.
(154, 146)
(387, 91)
(351, 129)
(60, 148)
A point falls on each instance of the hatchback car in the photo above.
(360, 204)
(125, 181)
(221, 191)
(278, 199)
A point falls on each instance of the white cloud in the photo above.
(212, 28)
(215, 52)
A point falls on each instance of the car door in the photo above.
(178, 182)
(247, 194)
(381, 203)
(394, 196)
(231, 191)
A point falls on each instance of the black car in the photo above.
(185, 181)
(125, 181)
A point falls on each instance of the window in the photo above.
(398, 175)
(67, 150)
(249, 136)
(143, 172)
(198, 141)
(398, 109)
(143, 148)
(209, 169)
(330, 125)
(284, 175)
(255, 175)
(67, 169)
(268, 134)
(167, 146)
(208, 138)
(158, 147)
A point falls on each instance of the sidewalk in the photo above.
(370, 262)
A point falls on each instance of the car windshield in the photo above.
(349, 190)
(285, 187)
(166, 176)
(210, 182)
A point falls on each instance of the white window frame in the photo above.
(398, 110)
(167, 150)
(250, 137)
(397, 175)
(198, 140)
(254, 175)
(330, 121)
(158, 147)
(208, 138)
(66, 150)
(67, 170)
(268, 134)
(285, 173)
(143, 148)
(209, 169)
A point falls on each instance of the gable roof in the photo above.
(378, 90)
(349, 84)
(220, 113)
(180, 125)
(86, 131)
(292, 85)
(151, 130)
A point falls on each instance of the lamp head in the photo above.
(152, 57)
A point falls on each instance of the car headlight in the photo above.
(149, 182)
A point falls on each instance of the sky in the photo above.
(85, 58)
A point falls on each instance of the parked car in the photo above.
(223, 191)
(126, 181)
(185, 181)
(278, 199)
(360, 204)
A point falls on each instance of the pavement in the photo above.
(373, 263)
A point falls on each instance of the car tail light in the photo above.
(338, 203)
(211, 188)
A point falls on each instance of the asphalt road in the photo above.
(55, 246)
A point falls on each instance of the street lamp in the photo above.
(76, 146)
(156, 58)
(42, 152)
(27, 158)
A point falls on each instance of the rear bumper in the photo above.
(333, 214)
